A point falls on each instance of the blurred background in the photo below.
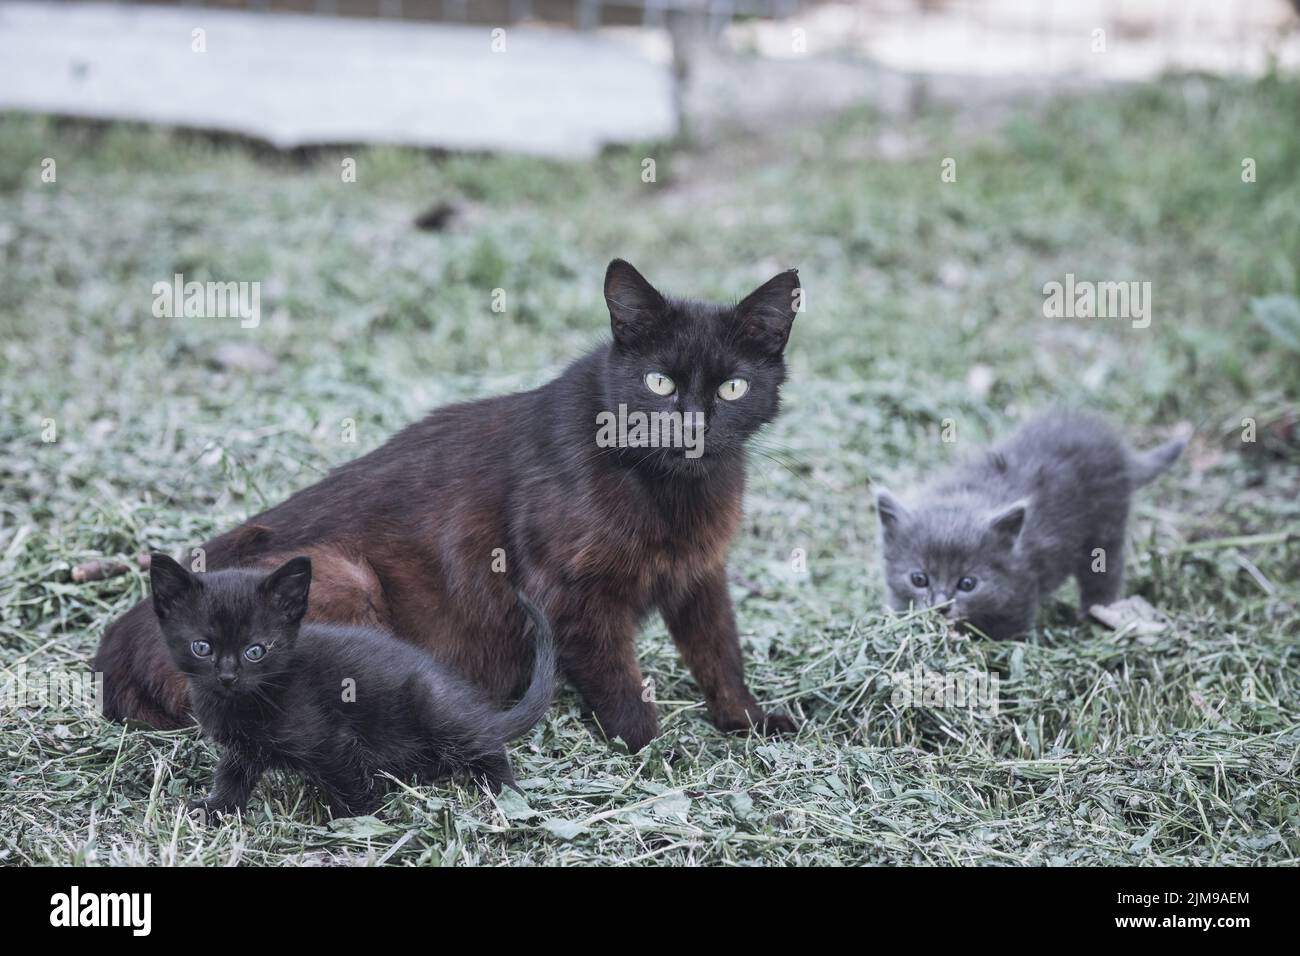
(570, 76)
(424, 195)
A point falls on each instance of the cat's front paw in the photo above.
(209, 808)
(778, 725)
(634, 722)
(756, 722)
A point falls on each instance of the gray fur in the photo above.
(1019, 520)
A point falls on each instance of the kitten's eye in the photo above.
(255, 652)
(201, 649)
(966, 584)
(732, 389)
(920, 580)
(659, 383)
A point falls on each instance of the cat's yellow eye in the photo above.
(659, 383)
(732, 389)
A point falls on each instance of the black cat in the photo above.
(608, 494)
(337, 704)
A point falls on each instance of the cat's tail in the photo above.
(541, 688)
(1146, 466)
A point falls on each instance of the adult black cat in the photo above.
(431, 535)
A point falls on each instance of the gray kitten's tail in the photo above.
(1146, 466)
(537, 698)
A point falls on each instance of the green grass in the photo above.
(1107, 748)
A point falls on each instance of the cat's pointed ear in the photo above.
(1006, 524)
(171, 584)
(635, 306)
(287, 587)
(892, 512)
(768, 312)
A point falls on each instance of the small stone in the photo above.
(1134, 614)
(980, 380)
(239, 356)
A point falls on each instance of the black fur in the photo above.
(337, 704)
(413, 537)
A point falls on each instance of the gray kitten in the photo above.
(987, 543)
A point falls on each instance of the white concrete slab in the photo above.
(304, 80)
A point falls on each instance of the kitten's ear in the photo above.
(892, 512)
(171, 584)
(287, 587)
(1006, 524)
(768, 312)
(635, 307)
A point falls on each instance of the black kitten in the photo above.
(337, 704)
(988, 543)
